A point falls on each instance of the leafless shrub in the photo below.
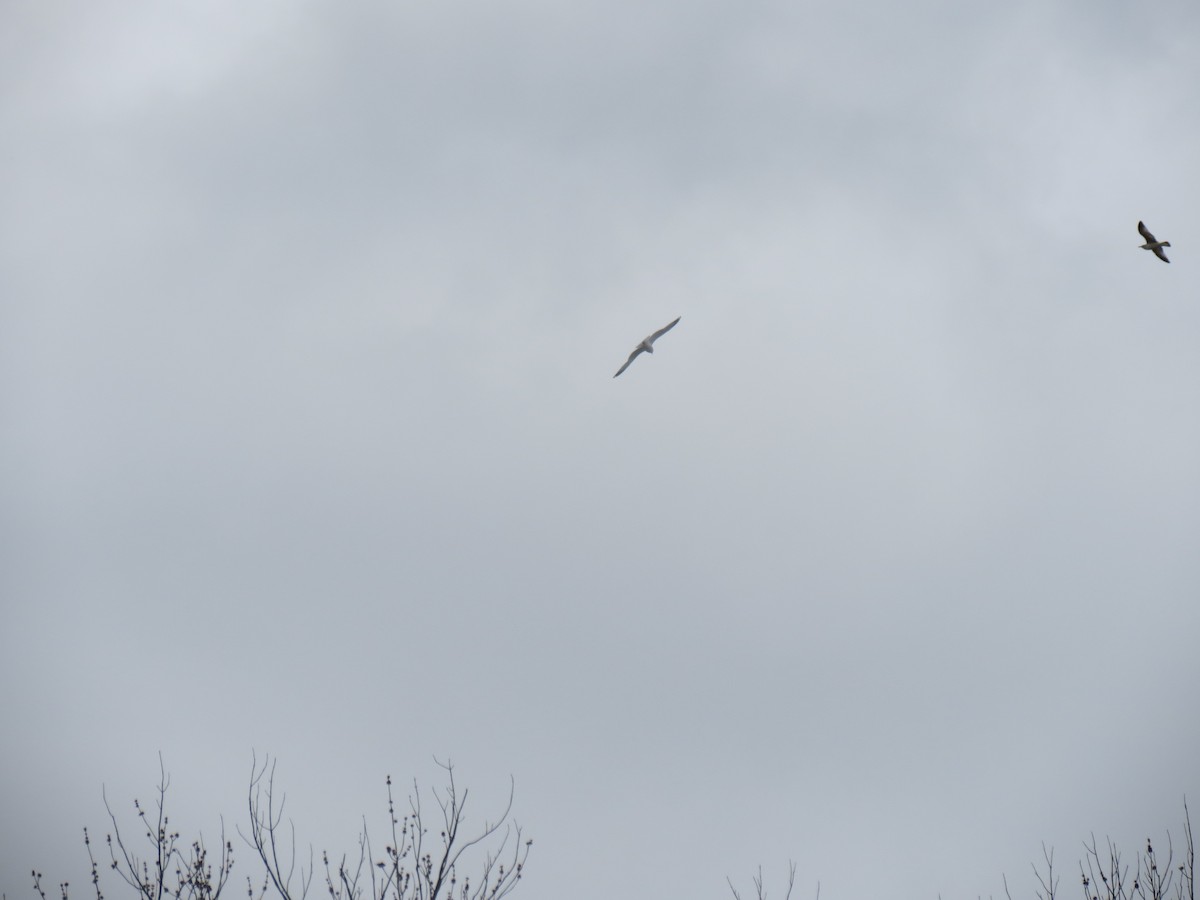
(164, 868)
(760, 892)
(412, 867)
(1106, 875)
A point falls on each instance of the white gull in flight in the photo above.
(647, 345)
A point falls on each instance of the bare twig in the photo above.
(759, 889)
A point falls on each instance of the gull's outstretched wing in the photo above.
(654, 337)
(1153, 243)
(632, 357)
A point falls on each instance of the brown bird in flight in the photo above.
(1152, 244)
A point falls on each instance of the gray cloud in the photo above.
(882, 562)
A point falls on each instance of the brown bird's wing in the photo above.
(1145, 232)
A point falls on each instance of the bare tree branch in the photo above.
(264, 832)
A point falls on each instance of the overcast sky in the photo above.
(885, 561)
